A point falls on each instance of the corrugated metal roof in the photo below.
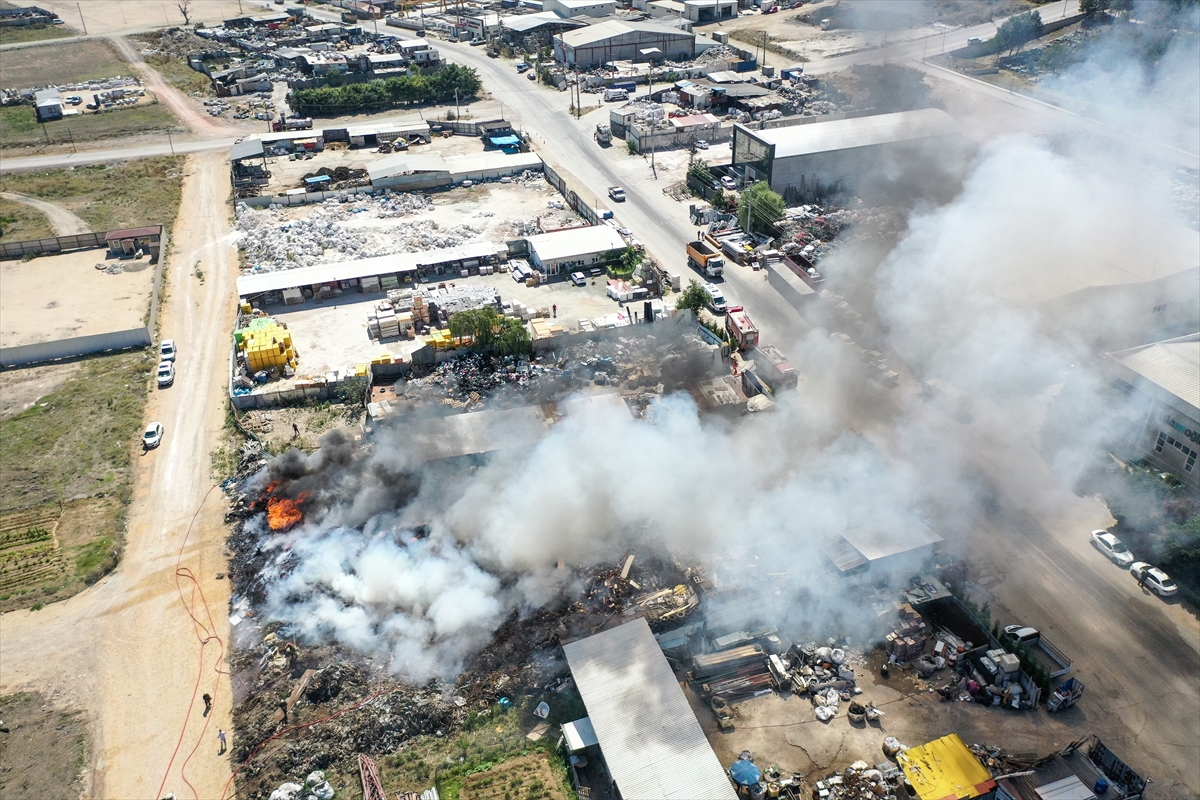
(134, 233)
(247, 149)
(259, 283)
(1047, 774)
(1066, 789)
(406, 163)
(611, 29)
(1174, 365)
(844, 134)
(575, 242)
(652, 743)
(890, 538)
(945, 768)
(579, 735)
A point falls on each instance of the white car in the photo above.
(167, 350)
(1112, 547)
(701, 144)
(578, 278)
(616, 193)
(1155, 579)
(729, 183)
(153, 435)
(166, 374)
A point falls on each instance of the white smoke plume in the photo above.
(423, 571)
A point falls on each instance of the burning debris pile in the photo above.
(816, 232)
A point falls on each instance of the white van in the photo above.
(716, 300)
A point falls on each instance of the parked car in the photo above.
(616, 193)
(166, 374)
(701, 144)
(579, 279)
(522, 67)
(531, 76)
(152, 436)
(167, 351)
(1155, 580)
(728, 183)
(74, 100)
(1112, 547)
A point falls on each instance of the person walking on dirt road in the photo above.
(207, 703)
(221, 739)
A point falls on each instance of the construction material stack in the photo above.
(266, 344)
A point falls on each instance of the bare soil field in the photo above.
(21, 388)
(127, 16)
(123, 194)
(64, 63)
(62, 296)
(43, 749)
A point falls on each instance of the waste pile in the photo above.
(315, 787)
(861, 781)
(717, 55)
(272, 242)
(907, 639)
(341, 177)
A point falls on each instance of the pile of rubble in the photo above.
(272, 242)
(861, 781)
(177, 43)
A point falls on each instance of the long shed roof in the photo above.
(652, 743)
(846, 134)
(1173, 366)
(575, 242)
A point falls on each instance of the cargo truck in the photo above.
(773, 367)
(1040, 648)
(741, 330)
(603, 134)
(706, 259)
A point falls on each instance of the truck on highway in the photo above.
(742, 332)
(706, 259)
(773, 367)
(1040, 648)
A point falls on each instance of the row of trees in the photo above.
(357, 98)
(1018, 31)
(491, 330)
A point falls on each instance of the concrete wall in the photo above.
(56, 244)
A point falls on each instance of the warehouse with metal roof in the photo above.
(650, 741)
(574, 248)
(897, 545)
(1161, 381)
(614, 40)
(814, 157)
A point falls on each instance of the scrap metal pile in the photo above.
(861, 781)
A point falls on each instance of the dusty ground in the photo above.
(43, 748)
(63, 221)
(187, 109)
(21, 388)
(61, 63)
(128, 16)
(61, 296)
(127, 649)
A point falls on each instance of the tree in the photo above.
(488, 329)
(1018, 31)
(694, 297)
(185, 8)
(759, 208)
(513, 338)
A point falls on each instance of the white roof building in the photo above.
(575, 247)
(651, 741)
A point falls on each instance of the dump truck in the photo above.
(603, 134)
(706, 259)
(773, 367)
(741, 330)
(1045, 653)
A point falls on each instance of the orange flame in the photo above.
(283, 513)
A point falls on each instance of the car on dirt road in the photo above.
(1153, 579)
(1112, 547)
(579, 279)
(152, 435)
(167, 351)
(166, 374)
(701, 144)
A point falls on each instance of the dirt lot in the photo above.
(117, 16)
(123, 194)
(63, 296)
(62, 63)
(43, 749)
(21, 388)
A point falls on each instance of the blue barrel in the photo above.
(1101, 786)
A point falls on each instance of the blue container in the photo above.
(1101, 786)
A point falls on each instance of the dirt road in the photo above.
(191, 115)
(64, 222)
(127, 651)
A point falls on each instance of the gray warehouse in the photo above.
(809, 159)
(1162, 382)
(623, 41)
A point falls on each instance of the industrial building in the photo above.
(409, 170)
(896, 546)
(580, 8)
(1162, 384)
(805, 160)
(574, 248)
(610, 41)
(541, 23)
(47, 105)
(698, 11)
(650, 742)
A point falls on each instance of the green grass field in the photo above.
(14, 34)
(19, 222)
(63, 63)
(19, 128)
(107, 196)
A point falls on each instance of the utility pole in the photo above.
(170, 141)
(81, 20)
(72, 136)
(456, 105)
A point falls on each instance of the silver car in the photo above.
(1112, 547)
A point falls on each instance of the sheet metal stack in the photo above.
(733, 674)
